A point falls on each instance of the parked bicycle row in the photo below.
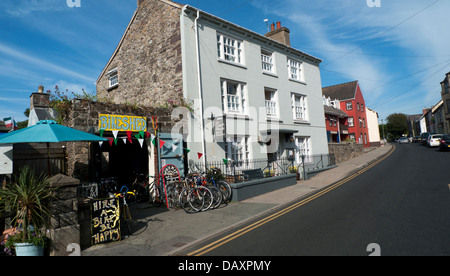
(195, 193)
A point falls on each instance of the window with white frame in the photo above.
(113, 78)
(230, 49)
(299, 107)
(295, 69)
(303, 145)
(233, 96)
(271, 102)
(351, 122)
(349, 105)
(267, 61)
(238, 148)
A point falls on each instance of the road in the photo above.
(401, 206)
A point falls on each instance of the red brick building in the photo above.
(353, 104)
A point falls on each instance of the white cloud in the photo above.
(19, 8)
(40, 63)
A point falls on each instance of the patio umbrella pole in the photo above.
(48, 158)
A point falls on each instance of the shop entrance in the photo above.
(122, 161)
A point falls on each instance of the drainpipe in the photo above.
(200, 88)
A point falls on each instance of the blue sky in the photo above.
(399, 52)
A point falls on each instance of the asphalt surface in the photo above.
(162, 232)
(399, 207)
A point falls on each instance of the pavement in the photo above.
(162, 232)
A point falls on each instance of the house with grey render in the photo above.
(251, 96)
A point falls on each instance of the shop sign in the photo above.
(105, 221)
(122, 123)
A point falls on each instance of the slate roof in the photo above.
(334, 111)
(343, 91)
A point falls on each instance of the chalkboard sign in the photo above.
(105, 221)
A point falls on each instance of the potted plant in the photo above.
(34, 245)
(28, 196)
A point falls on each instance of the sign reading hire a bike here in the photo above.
(122, 123)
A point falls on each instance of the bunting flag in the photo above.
(174, 147)
(100, 143)
(161, 143)
(140, 137)
(111, 140)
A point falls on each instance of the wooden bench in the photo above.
(253, 174)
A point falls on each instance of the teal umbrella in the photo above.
(48, 131)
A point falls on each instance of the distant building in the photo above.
(445, 94)
(335, 121)
(373, 127)
(352, 102)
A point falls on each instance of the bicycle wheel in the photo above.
(191, 200)
(207, 196)
(172, 195)
(226, 190)
(155, 195)
(217, 197)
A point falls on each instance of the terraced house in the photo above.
(254, 96)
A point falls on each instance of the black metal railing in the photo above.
(245, 170)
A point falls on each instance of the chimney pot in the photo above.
(272, 27)
(278, 25)
(41, 89)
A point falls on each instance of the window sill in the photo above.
(301, 122)
(270, 74)
(230, 115)
(274, 119)
(232, 63)
(297, 81)
(112, 87)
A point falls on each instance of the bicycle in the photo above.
(223, 186)
(155, 195)
(191, 198)
(139, 188)
(216, 193)
(125, 213)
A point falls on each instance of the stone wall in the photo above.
(149, 59)
(345, 151)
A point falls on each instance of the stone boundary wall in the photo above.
(345, 151)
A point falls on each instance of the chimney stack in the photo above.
(280, 34)
(39, 99)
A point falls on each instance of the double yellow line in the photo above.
(226, 239)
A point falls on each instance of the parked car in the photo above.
(416, 139)
(425, 136)
(434, 140)
(445, 143)
(403, 140)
